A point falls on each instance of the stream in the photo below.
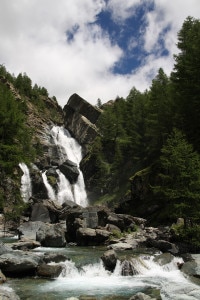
(84, 275)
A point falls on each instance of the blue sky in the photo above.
(96, 48)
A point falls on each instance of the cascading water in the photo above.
(82, 278)
(50, 190)
(68, 148)
(26, 188)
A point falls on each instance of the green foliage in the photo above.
(179, 177)
(185, 78)
(137, 132)
(190, 235)
(14, 140)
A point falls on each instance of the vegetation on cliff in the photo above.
(158, 128)
(150, 139)
(22, 105)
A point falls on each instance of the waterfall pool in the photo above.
(84, 275)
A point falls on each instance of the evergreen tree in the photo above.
(185, 78)
(179, 187)
(159, 120)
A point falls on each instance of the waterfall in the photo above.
(26, 189)
(50, 190)
(64, 189)
(68, 148)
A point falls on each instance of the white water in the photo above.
(26, 188)
(50, 190)
(68, 148)
(65, 189)
(93, 279)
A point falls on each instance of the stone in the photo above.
(128, 269)
(49, 271)
(40, 213)
(70, 170)
(86, 237)
(141, 296)
(120, 246)
(25, 244)
(8, 295)
(4, 248)
(2, 278)
(54, 257)
(109, 259)
(51, 235)
(164, 258)
(162, 245)
(19, 263)
(80, 118)
(28, 229)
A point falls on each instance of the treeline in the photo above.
(160, 129)
(15, 136)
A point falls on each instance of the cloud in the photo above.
(61, 47)
(122, 10)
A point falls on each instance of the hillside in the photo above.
(140, 154)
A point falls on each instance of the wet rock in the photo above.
(120, 246)
(128, 269)
(87, 297)
(109, 259)
(8, 295)
(70, 170)
(80, 119)
(51, 235)
(19, 263)
(113, 228)
(192, 267)
(162, 245)
(49, 271)
(164, 258)
(4, 248)
(91, 237)
(28, 229)
(25, 244)
(2, 278)
(40, 213)
(141, 296)
(54, 257)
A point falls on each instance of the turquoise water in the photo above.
(84, 274)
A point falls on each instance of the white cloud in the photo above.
(33, 40)
(121, 10)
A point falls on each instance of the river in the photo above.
(84, 275)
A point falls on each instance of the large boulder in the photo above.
(70, 170)
(109, 259)
(40, 213)
(51, 235)
(128, 268)
(25, 244)
(19, 263)
(49, 271)
(80, 119)
(8, 295)
(28, 229)
(91, 237)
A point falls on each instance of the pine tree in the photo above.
(179, 187)
(186, 80)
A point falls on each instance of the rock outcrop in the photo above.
(80, 118)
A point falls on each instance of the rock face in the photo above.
(80, 118)
(49, 271)
(109, 259)
(70, 170)
(19, 263)
(51, 235)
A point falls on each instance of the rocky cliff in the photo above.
(47, 124)
(80, 118)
